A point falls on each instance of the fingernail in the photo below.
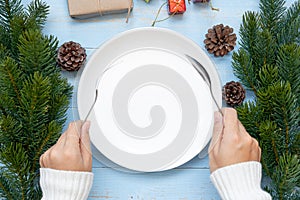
(86, 126)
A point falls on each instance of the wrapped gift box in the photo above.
(176, 6)
(91, 8)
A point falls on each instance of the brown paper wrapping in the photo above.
(91, 8)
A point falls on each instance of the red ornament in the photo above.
(176, 6)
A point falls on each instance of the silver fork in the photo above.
(96, 94)
(204, 74)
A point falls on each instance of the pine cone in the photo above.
(234, 93)
(71, 56)
(220, 40)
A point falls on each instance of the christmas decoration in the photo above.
(234, 93)
(205, 1)
(220, 40)
(81, 9)
(33, 97)
(71, 56)
(268, 64)
(176, 6)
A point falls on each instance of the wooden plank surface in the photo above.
(187, 182)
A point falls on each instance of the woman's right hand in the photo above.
(231, 143)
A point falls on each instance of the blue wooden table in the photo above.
(187, 182)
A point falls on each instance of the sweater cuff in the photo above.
(240, 181)
(62, 185)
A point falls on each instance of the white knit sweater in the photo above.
(235, 182)
(240, 182)
(65, 185)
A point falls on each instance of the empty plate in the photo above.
(154, 112)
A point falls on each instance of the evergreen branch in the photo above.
(271, 151)
(289, 66)
(268, 63)
(287, 175)
(37, 12)
(3, 51)
(249, 30)
(4, 40)
(293, 12)
(290, 25)
(265, 51)
(8, 10)
(10, 77)
(49, 138)
(251, 117)
(17, 27)
(243, 69)
(60, 98)
(7, 104)
(268, 75)
(5, 187)
(35, 97)
(271, 11)
(37, 53)
(10, 131)
(16, 160)
(289, 34)
(31, 122)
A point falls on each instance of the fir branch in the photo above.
(251, 117)
(287, 176)
(266, 49)
(37, 53)
(289, 66)
(280, 108)
(10, 131)
(290, 24)
(11, 78)
(249, 30)
(268, 63)
(7, 187)
(33, 98)
(268, 75)
(271, 11)
(16, 160)
(8, 10)
(44, 142)
(243, 69)
(61, 93)
(270, 148)
(37, 12)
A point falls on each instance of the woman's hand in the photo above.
(72, 152)
(231, 143)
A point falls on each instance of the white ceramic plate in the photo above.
(154, 112)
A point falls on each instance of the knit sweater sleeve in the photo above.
(62, 185)
(240, 181)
